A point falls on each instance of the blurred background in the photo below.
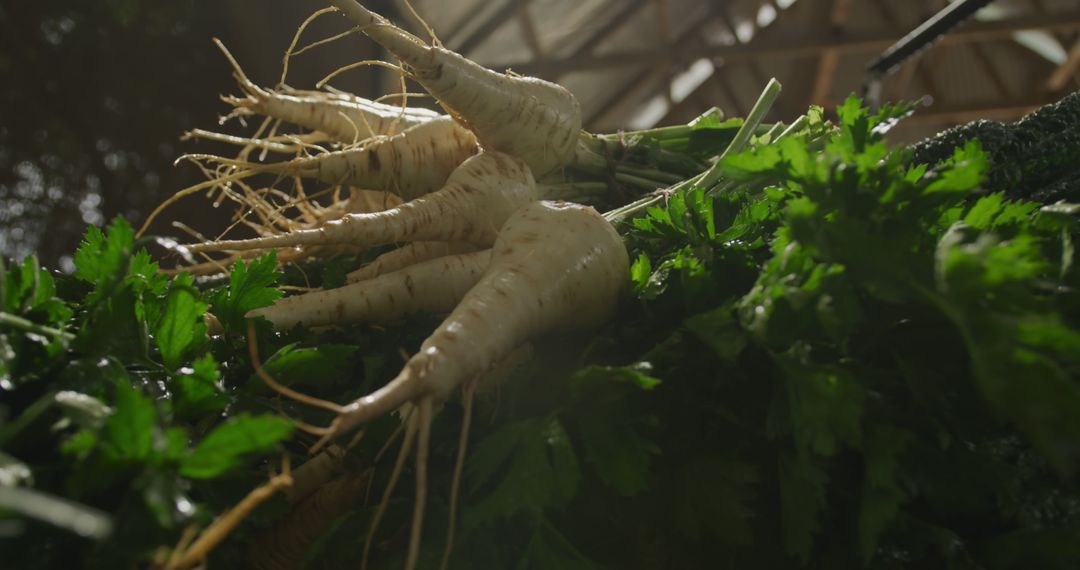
(97, 94)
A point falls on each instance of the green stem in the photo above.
(710, 177)
(641, 204)
(573, 191)
(639, 182)
(658, 133)
(774, 131)
(742, 137)
(794, 127)
(649, 173)
(587, 159)
(32, 327)
(27, 417)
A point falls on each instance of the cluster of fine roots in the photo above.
(457, 192)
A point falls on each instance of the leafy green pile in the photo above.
(885, 358)
(116, 413)
(1034, 158)
(836, 357)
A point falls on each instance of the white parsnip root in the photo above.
(407, 255)
(480, 243)
(432, 286)
(472, 206)
(342, 116)
(556, 266)
(410, 164)
(527, 117)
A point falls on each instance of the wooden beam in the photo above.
(901, 80)
(630, 90)
(729, 92)
(784, 47)
(528, 28)
(696, 103)
(486, 29)
(925, 63)
(1000, 109)
(987, 65)
(619, 15)
(640, 81)
(726, 17)
(1067, 69)
(830, 58)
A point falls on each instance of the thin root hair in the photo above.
(253, 351)
(355, 65)
(395, 476)
(296, 38)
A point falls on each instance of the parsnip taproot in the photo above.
(432, 286)
(284, 545)
(344, 117)
(477, 198)
(555, 266)
(529, 118)
(410, 164)
(406, 255)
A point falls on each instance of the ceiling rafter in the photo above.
(634, 87)
(663, 35)
(528, 28)
(807, 69)
(618, 16)
(1066, 70)
(718, 78)
(784, 47)
(987, 64)
(924, 64)
(830, 58)
(485, 30)
(1000, 109)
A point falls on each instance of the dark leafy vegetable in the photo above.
(842, 355)
(1034, 158)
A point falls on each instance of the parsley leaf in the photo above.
(538, 467)
(225, 447)
(180, 330)
(250, 287)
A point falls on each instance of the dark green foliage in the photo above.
(112, 400)
(905, 337)
(836, 357)
(1034, 158)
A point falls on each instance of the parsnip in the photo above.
(409, 164)
(472, 206)
(344, 117)
(432, 286)
(532, 119)
(407, 255)
(555, 266)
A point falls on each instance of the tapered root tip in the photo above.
(408, 386)
(405, 46)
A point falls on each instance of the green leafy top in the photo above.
(250, 287)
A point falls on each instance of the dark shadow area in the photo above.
(97, 94)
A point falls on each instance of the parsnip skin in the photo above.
(432, 286)
(472, 206)
(409, 164)
(285, 544)
(555, 266)
(526, 117)
(332, 113)
(407, 255)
